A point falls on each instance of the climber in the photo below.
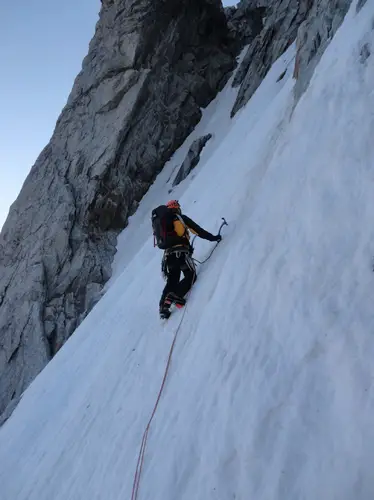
(171, 233)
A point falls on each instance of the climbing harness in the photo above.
(178, 252)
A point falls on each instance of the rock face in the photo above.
(360, 4)
(245, 22)
(192, 158)
(152, 65)
(317, 22)
(282, 20)
(315, 33)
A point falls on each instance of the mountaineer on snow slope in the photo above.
(171, 234)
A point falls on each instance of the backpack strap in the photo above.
(182, 222)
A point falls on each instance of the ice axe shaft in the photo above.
(224, 223)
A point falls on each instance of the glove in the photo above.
(217, 238)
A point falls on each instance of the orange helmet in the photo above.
(173, 204)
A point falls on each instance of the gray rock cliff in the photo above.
(151, 66)
(245, 22)
(312, 22)
(315, 33)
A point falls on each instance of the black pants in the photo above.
(173, 265)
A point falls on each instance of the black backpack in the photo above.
(163, 228)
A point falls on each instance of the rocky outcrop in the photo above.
(151, 66)
(315, 33)
(365, 53)
(282, 20)
(245, 22)
(192, 158)
(360, 4)
(313, 22)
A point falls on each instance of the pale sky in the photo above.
(42, 45)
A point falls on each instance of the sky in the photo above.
(42, 46)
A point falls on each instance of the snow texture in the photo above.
(270, 392)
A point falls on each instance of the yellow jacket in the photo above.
(182, 226)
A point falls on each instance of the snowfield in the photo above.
(270, 391)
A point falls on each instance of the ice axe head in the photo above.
(224, 223)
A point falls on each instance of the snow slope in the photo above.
(270, 392)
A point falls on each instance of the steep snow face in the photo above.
(270, 392)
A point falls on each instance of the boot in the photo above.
(165, 308)
(175, 299)
(165, 313)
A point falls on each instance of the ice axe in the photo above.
(224, 223)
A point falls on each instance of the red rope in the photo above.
(139, 465)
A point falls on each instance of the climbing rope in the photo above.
(139, 465)
(140, 462)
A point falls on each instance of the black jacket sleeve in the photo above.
(195, 228)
